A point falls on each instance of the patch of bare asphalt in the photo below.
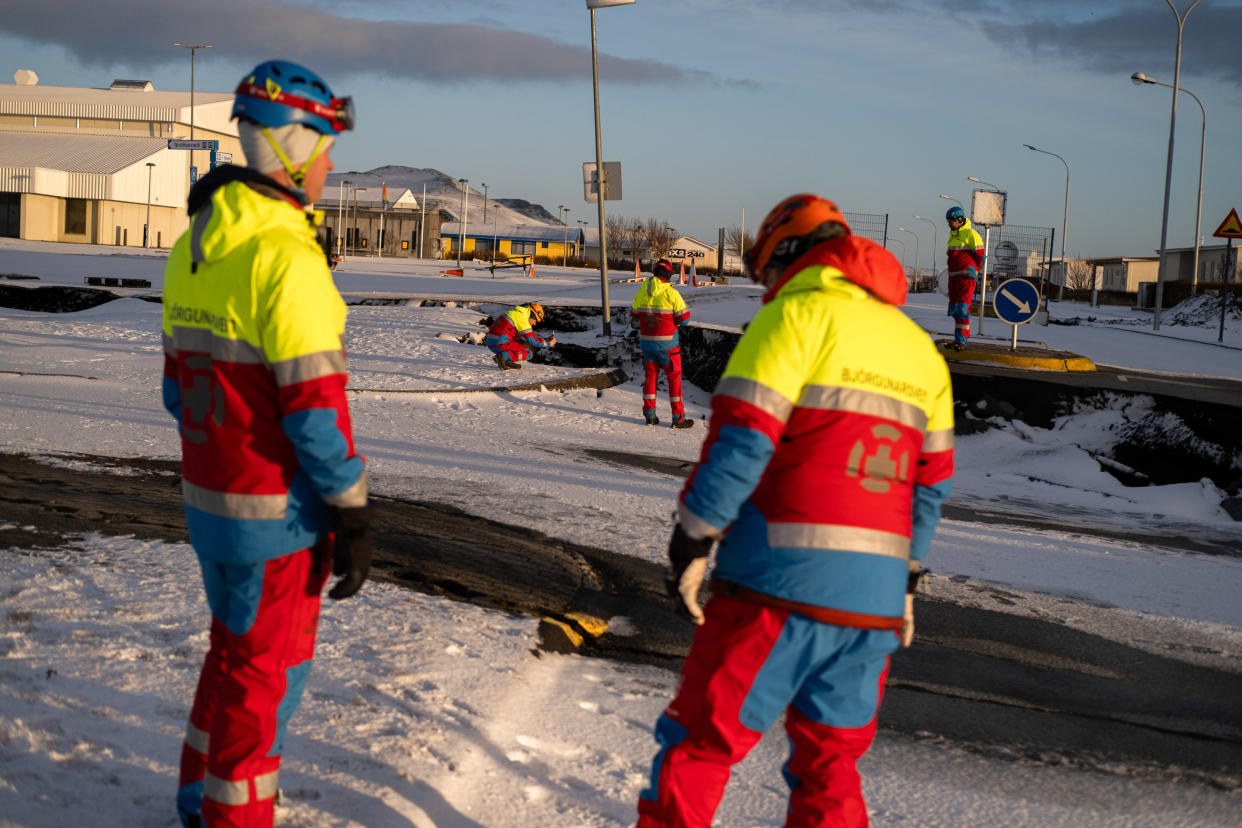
(993, 683)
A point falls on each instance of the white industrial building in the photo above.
(89, 165)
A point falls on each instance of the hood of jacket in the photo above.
(850, 258)
(232, 205)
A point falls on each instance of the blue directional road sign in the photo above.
(1016, 301)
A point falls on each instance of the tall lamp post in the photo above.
(340, 215)
(193, 47)
(1064, 222)
(605, 310)
(461, 228)
(484, 185)
(582, 225)
(915, 274)
(954, 200)
(1168, 165)
(935, 242)
(1139, 79)
(903, 248)
(565, 239)
(146, 228)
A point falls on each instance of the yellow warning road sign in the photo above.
(1230, 228)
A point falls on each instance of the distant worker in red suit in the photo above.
(965, 262)
(659, 311)
(512, 338)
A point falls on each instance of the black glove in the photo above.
(351, 549)
(688, 559)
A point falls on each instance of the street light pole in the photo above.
(340, 215)
(146, 228)
(565, 239)
(582, 224)
(461, 227)
(915, 274)
(1168, 165)
(935, 242)
(605, 310)
(1138, 79)
(1064, 224)
(484, 184)
(903, 248)
(193, 47)
(954, 200)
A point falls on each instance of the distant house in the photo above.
(1180, 264)
(1124, 273)
(357, 223)
(553, 241)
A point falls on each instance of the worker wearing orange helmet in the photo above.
(658, 310)
(512, 339)
(829, 453)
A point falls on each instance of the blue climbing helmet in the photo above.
(277, 93)
(955, 213)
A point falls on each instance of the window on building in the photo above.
(544, 245)
(75, 216)
(483, 245)
(519, 248)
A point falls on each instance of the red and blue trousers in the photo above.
(748, 664)
(265, 617)
(657, 358)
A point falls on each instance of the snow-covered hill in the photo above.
(444, 192)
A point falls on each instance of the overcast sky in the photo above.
(715, 106)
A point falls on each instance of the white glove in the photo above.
(688, 588)
(907, 623)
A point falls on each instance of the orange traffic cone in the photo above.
(532, 267)
(693, 277)
(683, 271)
(638, 276)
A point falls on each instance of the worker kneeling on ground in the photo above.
(512, 337)
(659, 311)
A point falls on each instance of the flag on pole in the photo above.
(385, 197)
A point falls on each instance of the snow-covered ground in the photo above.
(422, 711)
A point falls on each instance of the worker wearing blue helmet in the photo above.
(964, 257)
(275, 491)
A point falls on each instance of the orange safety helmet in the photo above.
(793, 227)
(536, 312)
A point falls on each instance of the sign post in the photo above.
(210, 145)
(1016, 301)
(1230, 229)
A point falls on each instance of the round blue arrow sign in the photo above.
(1016, 301)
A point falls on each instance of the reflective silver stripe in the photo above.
(675, 399)
(841, 538)
(222, 348)
(232, 505)
(654, 310)
(265, 785)
(201, 219)
(649, 396)
(655, 338)
(758, 395)
(859, 401)
(309, 367)
(941, 440)
(197, 739)
(226, 792)
(355, 495)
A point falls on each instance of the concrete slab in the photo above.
(1024, 356)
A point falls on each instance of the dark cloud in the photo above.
(141, 32)
(1130, 39)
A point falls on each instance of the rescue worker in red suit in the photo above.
(275, 492)
(512, 339)
(964, 255)
(829, 453)
(658, 310)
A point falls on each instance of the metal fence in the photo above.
(1018, 252)
(872, 226)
